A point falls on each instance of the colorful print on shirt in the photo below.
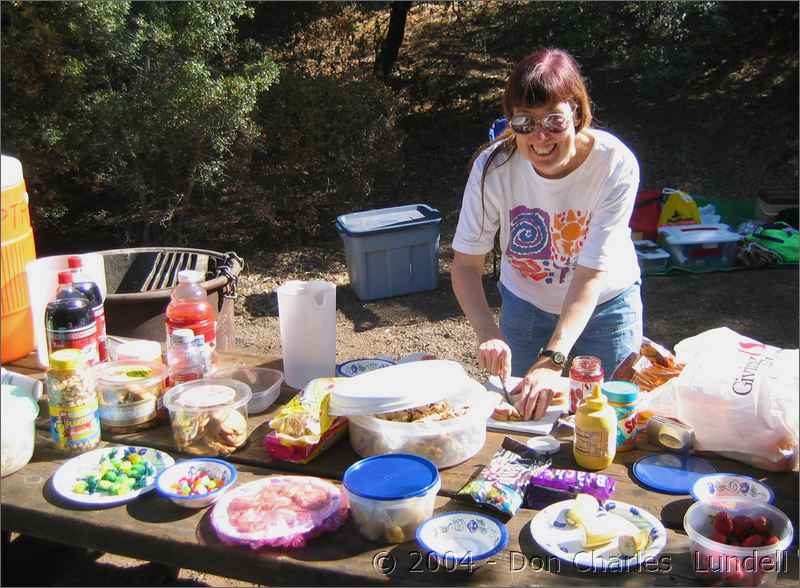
(546, 249)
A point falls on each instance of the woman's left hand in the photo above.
(533, 394)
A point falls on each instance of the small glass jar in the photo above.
(584, 373)
(74, 416)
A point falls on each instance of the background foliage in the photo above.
(253, 125)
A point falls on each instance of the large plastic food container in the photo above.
(652, 258)
(700, 247)
(391, 251)
(129, 394)
(19, 412)
(415, 387)
(391, 495)
(209, 416)
(265, 384)
(715, 562)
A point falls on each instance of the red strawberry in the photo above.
(719, 537)
(753, 541)
(723, 523)
(770, 540)
(761, 525)
(742, 526)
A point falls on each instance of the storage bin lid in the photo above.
(397, 387)
(393, 476)
(371, 222)
(699, 234)
(649, 250)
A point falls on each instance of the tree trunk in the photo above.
(390, 46)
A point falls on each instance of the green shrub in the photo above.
(126, 113)
(328, 147)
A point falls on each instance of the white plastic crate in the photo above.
(700, 247)
(652, 258)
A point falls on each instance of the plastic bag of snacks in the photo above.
(650, 368)
(501, 484)
(303, 427)
(738, 394)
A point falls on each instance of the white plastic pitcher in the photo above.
(307, 313)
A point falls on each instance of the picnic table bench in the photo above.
(152, 528)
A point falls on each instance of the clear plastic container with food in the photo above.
(447, 432)
(391, 495)
(208, 416)
(130, 394)
(265, 384)
(741, 552)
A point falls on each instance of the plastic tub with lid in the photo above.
(700, 247)
(370, 399)
(265, 384)
(391, 495)
(129, 394)
(19, 412)
(209, 416)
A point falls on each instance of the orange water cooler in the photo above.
(17, 250)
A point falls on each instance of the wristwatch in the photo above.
(556, 357)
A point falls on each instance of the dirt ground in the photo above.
(762, 304)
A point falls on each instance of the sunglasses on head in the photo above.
(556, 122)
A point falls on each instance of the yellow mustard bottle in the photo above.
(595, 432)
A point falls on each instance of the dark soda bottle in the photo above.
(91, 290)
(69, 321)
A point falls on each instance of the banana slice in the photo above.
(630, 545)
(585, 506)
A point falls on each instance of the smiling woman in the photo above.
(561, 195)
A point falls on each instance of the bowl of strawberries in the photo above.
(737, 542)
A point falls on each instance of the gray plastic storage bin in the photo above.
(391, 251)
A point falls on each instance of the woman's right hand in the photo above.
(494, 355)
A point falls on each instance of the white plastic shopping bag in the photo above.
(740, 395)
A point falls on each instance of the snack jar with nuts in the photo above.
(74, 415)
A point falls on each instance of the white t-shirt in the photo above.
(548, 227)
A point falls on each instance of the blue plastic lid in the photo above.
(371, 222)
(671, 473)
(393, 476)
(622, 392)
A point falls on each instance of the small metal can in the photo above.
(584, 373)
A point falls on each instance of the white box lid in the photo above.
(698, 234)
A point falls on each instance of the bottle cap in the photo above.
(74, 262)
(66, 359)
(189, 277)
(64, 278)
(595, 400)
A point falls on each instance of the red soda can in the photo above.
(585, 372)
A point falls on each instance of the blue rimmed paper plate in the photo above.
(86, 464)
(721, 486)
(355, 367)
(462, 538)
(551, 531)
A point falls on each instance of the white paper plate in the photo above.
(82, 465)
(551, 531)
(462, 537)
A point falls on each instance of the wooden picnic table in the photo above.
(152, 528)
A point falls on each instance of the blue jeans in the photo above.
(613, 332)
